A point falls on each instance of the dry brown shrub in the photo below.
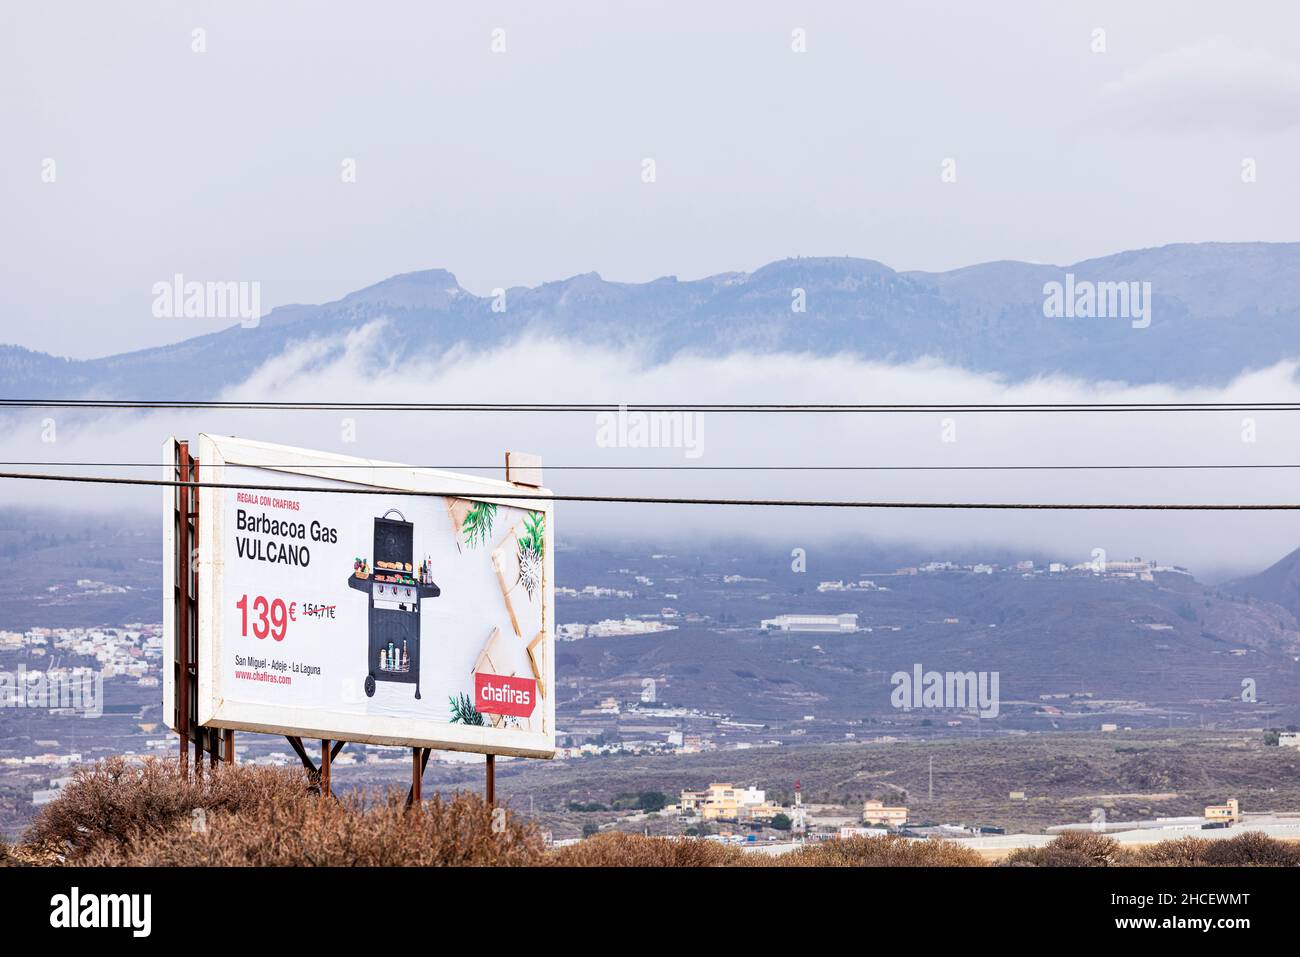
(886, 850)
(1178, 852)
(1251, 849)
(25, 855)
(636, 850)
(351, 832)
(1072, 849)
(115, 801)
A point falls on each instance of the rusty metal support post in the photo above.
(230, 746)
(313, 772)
(419, 761)
(326, 759)
(492, 780)
(417, 777)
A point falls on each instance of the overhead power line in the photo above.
(658, 500)
(739, 407)
(722, 468)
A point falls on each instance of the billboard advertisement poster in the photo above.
(397, 616)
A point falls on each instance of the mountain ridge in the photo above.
(1219, 309)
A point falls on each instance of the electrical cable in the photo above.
(657, 500)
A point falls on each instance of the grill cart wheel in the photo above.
(370, 686)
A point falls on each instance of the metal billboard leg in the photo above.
(326, 759)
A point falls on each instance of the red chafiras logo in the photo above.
(500, 694)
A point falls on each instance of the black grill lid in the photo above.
(394, 539)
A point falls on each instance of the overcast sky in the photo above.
(526, 165)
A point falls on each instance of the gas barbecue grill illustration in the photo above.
(396, 589)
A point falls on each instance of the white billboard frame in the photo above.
(214, 710)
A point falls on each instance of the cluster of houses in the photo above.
(132, 650)
(1144, 570)
(610, 628)
(739, 804)
(727, 802)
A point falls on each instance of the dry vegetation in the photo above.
(635, 850)
(121, 813)
(1071, 849)
(115, 803)
(1084, 849)
(145, 814)
(347, 833)
(887, 851)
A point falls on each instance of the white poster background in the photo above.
(312, 682)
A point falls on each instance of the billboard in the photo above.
(389, 617)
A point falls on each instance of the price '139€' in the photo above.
(270, 616)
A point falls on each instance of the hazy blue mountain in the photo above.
(1217, 309)
(1279, 584)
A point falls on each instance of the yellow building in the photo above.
(876, 812)
(726, 802)
(1229, 813)
(765, 811)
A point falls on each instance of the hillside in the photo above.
(1131, 773)
(1279, 584)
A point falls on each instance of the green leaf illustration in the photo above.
(463, 711)
(478, 523)
(531, 549)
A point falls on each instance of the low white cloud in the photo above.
(1215, 84)
(358, 368)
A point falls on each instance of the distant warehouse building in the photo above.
(821, 623)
